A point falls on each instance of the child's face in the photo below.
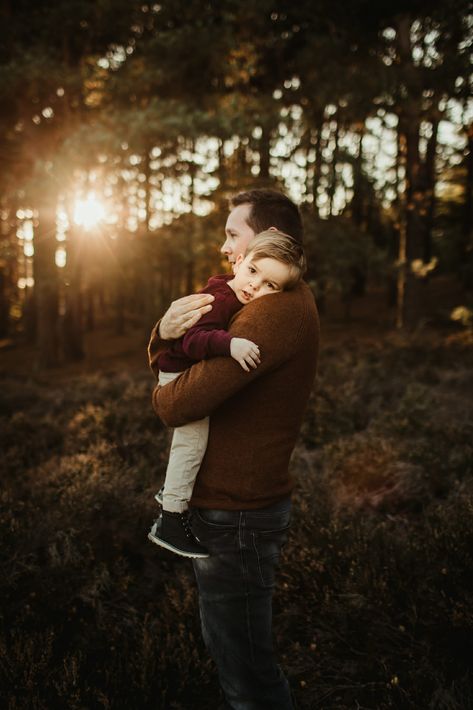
(258, 277)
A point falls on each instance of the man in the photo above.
(241, 499)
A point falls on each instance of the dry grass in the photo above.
(374, 607)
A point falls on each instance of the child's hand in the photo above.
(245, 352)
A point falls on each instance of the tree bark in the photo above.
(333, 171)
(317, 138)
(72, 325)
(466, 248)
(46, 284)
(189, 239)
(411, 284)
(264, 153)
(357, 203)
(430, 178)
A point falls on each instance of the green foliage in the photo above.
(342, 257)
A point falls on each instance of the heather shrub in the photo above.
(373, 606)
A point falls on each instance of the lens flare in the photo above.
(89, 212)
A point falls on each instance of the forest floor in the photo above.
(374, 605)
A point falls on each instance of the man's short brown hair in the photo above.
(270, 208)
(272, 244)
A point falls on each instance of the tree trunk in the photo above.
(333, 171)
(264, 153)
(4, 304)
(357, 203)
(411, 284)
(401, 232)
(72, 325)
(46, 284)
(222, 166)
(430, 178)
(317, 138)
(466, 248)
(190, 259)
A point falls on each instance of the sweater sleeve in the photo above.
(156, 347)
(273, 322)
(208, 337)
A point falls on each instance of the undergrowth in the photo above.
(373, 609)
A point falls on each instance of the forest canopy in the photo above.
(125, 126)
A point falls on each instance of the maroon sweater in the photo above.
(207, 338)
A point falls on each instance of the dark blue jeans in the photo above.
(235, 597)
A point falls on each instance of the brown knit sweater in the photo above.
(254, 417)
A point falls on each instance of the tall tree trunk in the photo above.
(148, 274)
(402, 232)
(357, 203)
(222, 165)
(46, 283)
(190, 259)
(411, 283)
(466, 248)
(430, 181)
(264, 153)
(317, 140)
(4, 303)
(8, 265)
(72, 325)
(333, 168)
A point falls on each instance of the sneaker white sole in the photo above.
(176, 550)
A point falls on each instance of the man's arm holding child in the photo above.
(273, 322)
(181, 315)
(208, 338)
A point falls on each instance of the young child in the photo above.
(273, 262)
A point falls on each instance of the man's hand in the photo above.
(245, 352)
(183, 314)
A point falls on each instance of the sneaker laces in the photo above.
(187, 527)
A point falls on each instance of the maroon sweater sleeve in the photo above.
(208, 337)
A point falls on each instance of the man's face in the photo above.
(238, 232)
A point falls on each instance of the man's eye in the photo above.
(271, 286)
(251, 270)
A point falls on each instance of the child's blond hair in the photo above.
(272, 244)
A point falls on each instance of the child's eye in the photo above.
(269, 285)
(251, 270)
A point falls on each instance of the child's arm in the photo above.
(206, 339)
(201, 344)
(209, 339)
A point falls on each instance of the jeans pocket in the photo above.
(217, 534)
(267, 545)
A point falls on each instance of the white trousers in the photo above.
(188, 446)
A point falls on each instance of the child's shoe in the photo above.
(172, 531)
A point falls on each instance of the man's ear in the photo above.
(237, 263)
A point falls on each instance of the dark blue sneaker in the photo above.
(173, 532)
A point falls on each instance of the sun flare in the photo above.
(89, 212)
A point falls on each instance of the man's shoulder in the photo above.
(287, 321)
(290, 305)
